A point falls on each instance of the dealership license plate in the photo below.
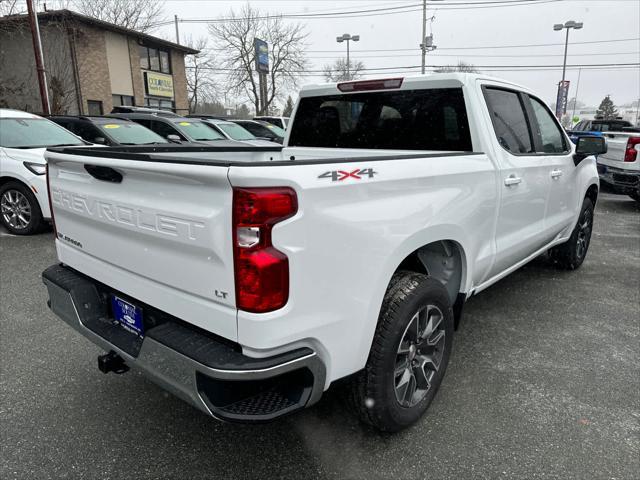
(127, 315)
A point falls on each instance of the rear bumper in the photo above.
(209, 372)
(621, 180)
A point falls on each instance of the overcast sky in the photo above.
(467, 34)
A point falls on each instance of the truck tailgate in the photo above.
(616, 147)
(160, 232)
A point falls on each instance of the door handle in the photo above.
(512, 180)
(556, 174)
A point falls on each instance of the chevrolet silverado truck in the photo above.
(619, 168)
(248, 280)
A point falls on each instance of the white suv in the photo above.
(24, 204)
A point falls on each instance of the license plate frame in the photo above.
(127, 315)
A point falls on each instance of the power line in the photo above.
(432, 55)
(534, 67)
(371, 12)
(417, 49)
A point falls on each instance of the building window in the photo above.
(95, 107)
(154, 59)
(164, 62)
(159, 103)
(144, 57)
(119, 100)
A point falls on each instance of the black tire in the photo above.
(375, 394)
(13, 190)
(635, 196)
(571, 254)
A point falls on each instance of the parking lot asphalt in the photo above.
(544, 382)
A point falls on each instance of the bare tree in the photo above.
(140, 15)
(287, 59)
(200, 68)
(12, 7)
(18, 84)
(338, 71)
(460, 67)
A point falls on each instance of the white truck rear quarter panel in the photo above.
(349, 237)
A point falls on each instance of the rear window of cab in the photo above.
(431, 119)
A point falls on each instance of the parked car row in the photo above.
(24, 205)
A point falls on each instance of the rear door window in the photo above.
(509, 120)
(432, 119)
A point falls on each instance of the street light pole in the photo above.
(348, 38)
(348, 62)
(562, 91)
(423, 44)
(564, 62)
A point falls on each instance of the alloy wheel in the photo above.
(15, 209)
(419, 355)
(584, 234)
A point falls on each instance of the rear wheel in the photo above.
(635, 196)
(409, 355)
(20, 213)
(572, 253)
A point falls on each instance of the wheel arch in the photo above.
(6, 179)
(430, 244)
(444, 260)
(592, 193)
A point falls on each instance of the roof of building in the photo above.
(71, 15)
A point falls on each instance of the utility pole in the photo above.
(423, 44)
(37, 50)
(175, 19)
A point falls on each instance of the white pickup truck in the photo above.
(247, 280)
(619, 168)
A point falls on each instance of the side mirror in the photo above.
(100, 140)
(587, 146)
(174, 138)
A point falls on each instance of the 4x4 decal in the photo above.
(340, 175)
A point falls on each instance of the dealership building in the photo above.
(91, 66)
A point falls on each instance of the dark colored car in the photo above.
(263, 130)
(154, 111)
(601, 125)
(108, 130)
(281, 122)
(595, 128)
(177, 129)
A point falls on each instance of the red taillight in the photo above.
(261, 271)
(53, 221)
(631, 153)
(365, 85)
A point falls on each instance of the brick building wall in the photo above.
(77, 55)
(136, 73)
(179, 82)
(93, 68)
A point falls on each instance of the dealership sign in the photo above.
(158, 84)
(262, 55)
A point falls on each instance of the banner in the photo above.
(262, 55)
(562, 98)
